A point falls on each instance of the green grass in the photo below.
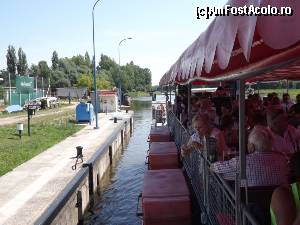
(138, 94)
(292, 92)
(45, 132)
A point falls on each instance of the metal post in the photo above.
(43, 86)
(94, 69)
(122, 138)
(166, 93)
(242, 149)
(131, 126)
(189, 103)
(170, 95)
(36, 90)
(110, 155)
(79, 206)
(29, 134)
(91, 183)
(9, 88)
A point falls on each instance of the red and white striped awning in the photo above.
(248, 47)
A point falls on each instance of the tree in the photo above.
(59, 79)
(85, 81)
(43, 69)
(54, 60)
(34, 70)
(22, 65)
(106, 63)
(87, 59)
(11, 60)
(78, 60)
(102, 83)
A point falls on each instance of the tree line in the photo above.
(77, 71)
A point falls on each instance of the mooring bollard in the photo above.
(78, 156)
(115, 119)
(79, 151)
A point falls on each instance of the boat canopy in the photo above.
(252, 48)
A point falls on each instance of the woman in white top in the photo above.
(203, 128)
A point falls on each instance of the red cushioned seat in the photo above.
(163, 155)
(165, 198)
(159, 134)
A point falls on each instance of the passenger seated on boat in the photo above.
(213, 118)
(184, 117)
(258, 117)
(297, 104)
(264, 167)
(230, 134)
(286, 102)
(195, 106)
(286, 137)
(226, 109)
(205, 104)
(276, 102)
(203, 127)
(285, 203)
(294, 116)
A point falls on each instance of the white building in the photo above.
(107, 101)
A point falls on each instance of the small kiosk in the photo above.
(107, 101)
(84, 112)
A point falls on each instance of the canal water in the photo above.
(118, 202)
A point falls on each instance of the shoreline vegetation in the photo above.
(137, 94)
(76, 71)
(45, 133)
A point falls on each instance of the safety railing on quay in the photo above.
(215, 196)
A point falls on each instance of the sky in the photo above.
(160, 29)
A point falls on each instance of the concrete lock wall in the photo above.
(80, 201)
(69, 214)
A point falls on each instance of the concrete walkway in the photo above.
(30, 188)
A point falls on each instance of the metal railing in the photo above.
(215, 196)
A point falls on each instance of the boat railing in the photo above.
(215, 196)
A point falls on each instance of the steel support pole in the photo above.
(242, 149)
(171, 95)
(166, 93)
(189, 102)
(94, 69)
